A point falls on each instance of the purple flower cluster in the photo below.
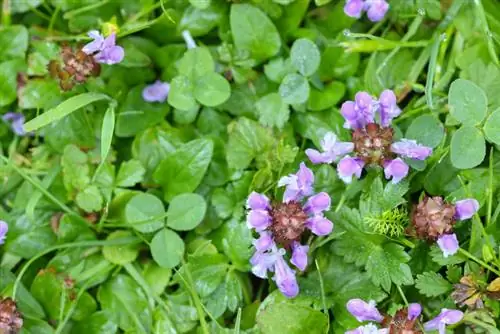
(104, 50)
(4, 228)
(16, 120)
(464, 209)
(280, 227)
(360, 115)
(156, 92)
(364, 311)
(375, 9)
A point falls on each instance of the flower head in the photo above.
(372, 143)
(364, 311)
(414, 311)
(4, 228)
(375, 9)
(466, 208)
(16, 120)
(11, 320)
(103, 49)
(156, 92)
(448, 243)
(281, 225)
(446, 317)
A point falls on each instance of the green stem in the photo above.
(6, 13)
(479, 261)
(402, 295)
(490, 189)
(84, 9)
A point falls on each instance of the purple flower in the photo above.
(368, 329)
(446, 317)
(4, 228)
(332, 150)
(297, 185)
(448, 244)
(190, 43)
(348, 166)
(354, 8)
(299, 255)
(156, 92)
(376, 10)
(264, 242)
(410, 149)
(258, 219)
(319, 225)
(358, 113)
(262, 262)
(318, 203)
(258, 201)
(285, 278)
(388, 107)
(364, 311)
(104, 50)
(414, 311)
(397, 169)
(466, 208)
(17, 122)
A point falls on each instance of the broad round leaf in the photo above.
(305, 56)
(272, 110)
(492, 127)
(167, 248)
(326, 98)
(467, 148)
(426, 130)
(120, 254)
(186, 211)
(144, 213)
(211, 89)
(181, 95)
(468, 102)
(294, 89)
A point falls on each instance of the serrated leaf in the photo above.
(432, 284)
(387, 264)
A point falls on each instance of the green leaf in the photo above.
(195, 63)
(273, 112)
(326, 98)
(98, 323)
(130, 173)
(432, 284)
(294, 89)
(211, 89)
(305, 56)
(39, 94)
(134, 57)
(186, 211)
(467, 148)
(492, 127)
(209, 271)
(285, 317)
(24, 6)
(181, 94)
(254, 32)
(64, 109)
(183, 170)
(8, 81)
(14, 42)
(145, 213)
(90, 199)
(167, 248)
(122, 254)
(278, 68)
(126, 303)
(247, 139)
(468, 102)
(107, 130)
(426, 130)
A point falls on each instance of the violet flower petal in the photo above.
(448, 243)
(397, 169)
(4, 228)
(262, 263)
(96, 44)
(299, 255)
(319, 225)
(466, 208)
(264, 242)
(354, 8)
(364, 104)
(414, 311)
(368, 329)
(297, 185)
(364, 311)
(17, 122)
(285, 278)
(258, 219)
(388, 107)
(446, 317)
(258, 201)
(156, 92)
(317, 203)
(348, 167)
(377, 10)
(411, 149)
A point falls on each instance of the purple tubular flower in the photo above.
(299, 255)
(156, 92)
(354, 8)
(410, 149)
(96, 45)
(446, 317)
(397, 169)
(258, 219)
(448, 244)
(318, 203)
(388, 107)
(319, 225)
(358, 113)
(297, 185)
(105, 49)
(466, 208)
(331, 150)
(348, 166)
(414, 311)
(4, 228)
(258, 201)
(188, 39)
(262, 262)
(264, 242)
(17, 122)
(364, 311)
(285, 278)
(377, 9)
(368, 329)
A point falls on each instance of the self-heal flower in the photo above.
(446, 317)
(4, 228)
(156, 92)
(396, 169)
(285, 278)
(104, 50)
(448, 243)
(466, 208)
(414, 311)
(358, 113)
(411, 149)
(332, 150)
(297, 185)
(299, 255)
(364, 311)
(388, 107)
(349, 167)
(16, 120)
(375, 9)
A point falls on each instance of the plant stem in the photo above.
(479, 261)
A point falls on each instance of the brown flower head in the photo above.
(11, 320)
(288, 222)
(432, 217)
(373, 143)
